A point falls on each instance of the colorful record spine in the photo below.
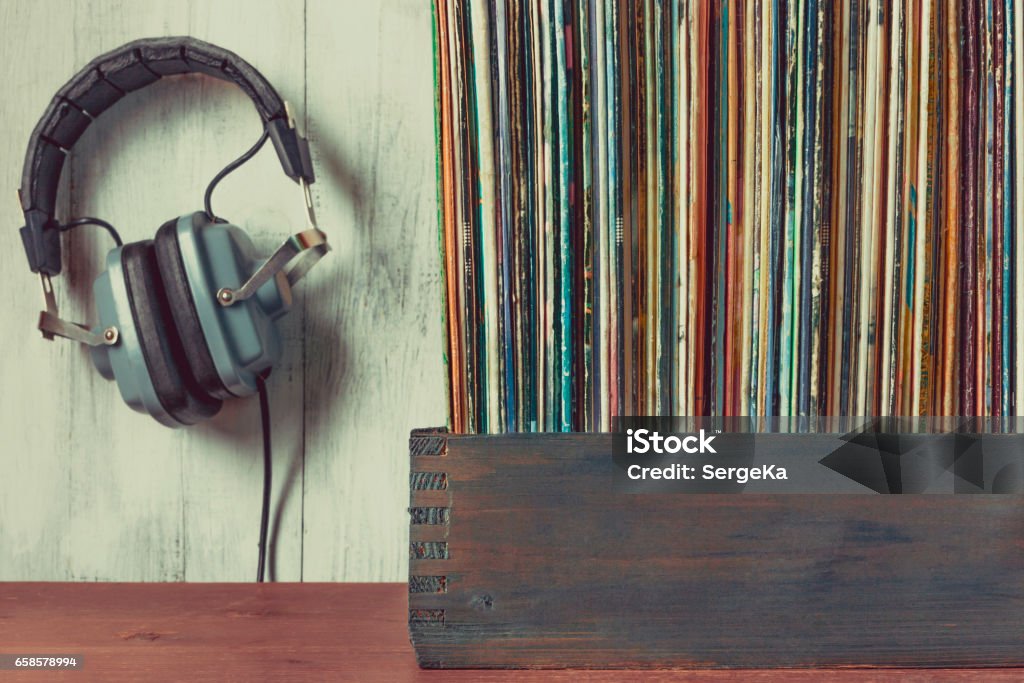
(763, 208)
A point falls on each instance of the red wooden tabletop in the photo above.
(273, 632)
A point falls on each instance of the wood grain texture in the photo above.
(544, 565)
(284, 632)
(374, 334)
(92, 491)
(35, 416)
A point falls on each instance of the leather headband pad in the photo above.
(99, 85)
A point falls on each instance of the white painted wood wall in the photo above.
(90, 490)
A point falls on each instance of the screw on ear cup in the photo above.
(183, 310)
(176, 388)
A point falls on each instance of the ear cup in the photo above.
(162, 347)
(183, 310)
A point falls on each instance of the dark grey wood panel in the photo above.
(548, 567)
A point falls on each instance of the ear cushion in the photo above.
(183, 310)
(176, 389)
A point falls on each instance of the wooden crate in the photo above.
(523, 556)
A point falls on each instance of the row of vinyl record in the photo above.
(729, 207)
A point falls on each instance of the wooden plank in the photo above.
(95, 492)
(149, 159)
(548, 567)
(281, 632)
(374, 337)
(109, 494)
(37, 415)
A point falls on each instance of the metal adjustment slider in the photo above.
(52, 325)
(309, 246)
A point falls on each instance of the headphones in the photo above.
(188, 318)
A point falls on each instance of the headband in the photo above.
(104, 81)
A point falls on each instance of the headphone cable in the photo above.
(249, 154)
(89, 220)
(261, 385)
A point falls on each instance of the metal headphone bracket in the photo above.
(52, 325)
(309, 246)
